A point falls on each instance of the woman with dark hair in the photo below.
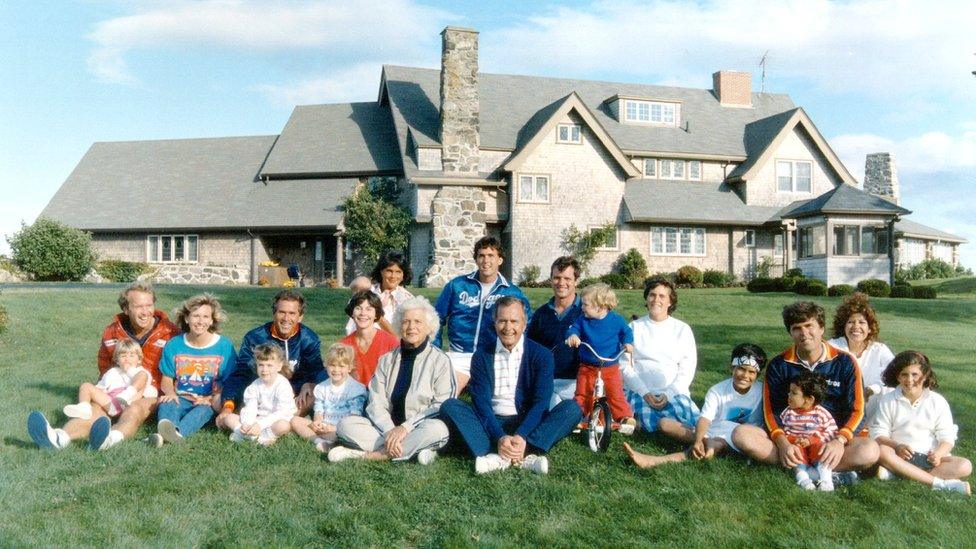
(391, 272)
(369, 342)
(856, 331)
(658, 378)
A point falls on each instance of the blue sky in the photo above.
(873, 75)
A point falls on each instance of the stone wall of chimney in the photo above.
(458, 221)
(460, 110)
(881, 176)
(733, 88)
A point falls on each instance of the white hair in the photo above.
(417, 302)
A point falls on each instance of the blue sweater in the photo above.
(532, 391)
(549, 330)
(469, 322)
(607, 335)
(303, 351)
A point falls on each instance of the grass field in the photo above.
(208, 492)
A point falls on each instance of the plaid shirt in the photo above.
(507, 365)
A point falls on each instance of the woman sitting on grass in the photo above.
(914, 428)
(367, 340)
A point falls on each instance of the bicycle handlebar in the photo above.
(602, 358)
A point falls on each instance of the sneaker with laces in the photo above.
(537, 464)
(155, 440)
(952, 485)
(40, 431)
(490, 463)
(341, 453)
(169, 431)
(847, 478)
(426, 456)
(99, 433)
(82, 410)
(628, 426)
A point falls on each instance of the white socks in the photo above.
(59, 437)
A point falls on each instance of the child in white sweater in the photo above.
(269, 402)
(914, 428)
(121, 385)
(335, 398)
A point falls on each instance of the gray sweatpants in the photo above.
(359, 432)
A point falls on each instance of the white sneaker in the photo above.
(341, 453)
(883, 474)
(155, 440)
(537, 464)
(237, 436)
(490, 463)
(114, 437)
(826, 478)
(628, 426)
(267, 437)
(82, 410)
(953, 485)
(169, 432)
(426, 456)
(61, 439)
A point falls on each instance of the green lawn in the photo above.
(962, 286)
(211, 492)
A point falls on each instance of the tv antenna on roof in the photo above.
(762, 63)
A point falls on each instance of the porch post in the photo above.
(340, 257)
(891, 251)
(254, 259)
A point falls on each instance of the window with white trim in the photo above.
(614, 240)
(750, 238)
(650, 167)
(169, 248)
(534, 188)
(794, 176)
(651, 112)
(812, 241)
(778, 245)
(666, 168)
(568, 133)
(678, 241)
(847, 240)
(695, 170)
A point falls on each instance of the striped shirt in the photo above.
(507, 365)
(816, 421)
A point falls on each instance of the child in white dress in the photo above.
(335, 398)
(269, 402)
(120, 386)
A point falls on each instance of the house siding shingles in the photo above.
(762, 190)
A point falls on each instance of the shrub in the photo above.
(3, 319)
(902, 290)
(616, 281)
(840, 289)
(788, 283)
(764, 267)
(528, 277)
(633, 267)
(812, 286)
(793, 273)
(584, 282)
(718, 279)
(923, 292)
(761, 284)
(963, 271)
(121, 271)
(670, 277)
(688, 276)
(874, 287)
(49, 250)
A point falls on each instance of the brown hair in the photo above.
(565, 262)
(182, 312)
(143, 287)
(802, 311)
(489, 242)
(289, 295)
(905, 359)
(811, 384)
(856, 303)
(367, 296)
(270, 351)
(654, 283)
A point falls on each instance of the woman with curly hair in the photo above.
(856, 331)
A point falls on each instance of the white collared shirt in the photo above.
(507, 364)
(922, 425)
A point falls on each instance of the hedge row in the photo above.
(810, 286)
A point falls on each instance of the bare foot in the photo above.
(643, 461)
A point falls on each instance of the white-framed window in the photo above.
(614, 240)
(569, 133)
(672, 168)
(695, 170)
(534, 188)
(847, 240)
(170, 248)
(677, 169)
(812, 241)
(750, 238)
(678, 241)
(794, 176)
(778, 245)
(651, 112)
(650, 167)
(666, 168)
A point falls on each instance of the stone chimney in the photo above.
(881, 177)
(460, 110)
(733, 88)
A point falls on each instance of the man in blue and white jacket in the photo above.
(465, 307)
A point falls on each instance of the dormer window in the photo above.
(568, 133)
(650, 112)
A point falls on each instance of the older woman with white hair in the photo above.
(405, 396)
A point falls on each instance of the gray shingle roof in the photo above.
(759, 135)
(656, 201)
(843, 199)
(907, 227)
(345, 138)
(190, 184)
(509, 103)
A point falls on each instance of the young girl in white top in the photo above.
(121, 385)
(335, 398)
(269, 402)
(914, 428)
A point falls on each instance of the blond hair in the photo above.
(138, 286)
(126, 346)
(601, 295)
(182, 313)
(270, 351)
(342, 355)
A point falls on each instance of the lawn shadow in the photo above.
(18, 443)
(66, 391)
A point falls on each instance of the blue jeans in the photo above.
(555, 425)
(187, 418)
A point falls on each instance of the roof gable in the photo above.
(546, 119)
(843, 199)
(762, 137)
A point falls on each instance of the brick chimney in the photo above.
(733, 88)
(460, 109)
(881, 177)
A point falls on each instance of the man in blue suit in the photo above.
(507, 422)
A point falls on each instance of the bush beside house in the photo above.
(49, 250)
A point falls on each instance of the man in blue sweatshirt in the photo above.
(549, 324)
(465, 307)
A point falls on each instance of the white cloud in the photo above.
(893, 49)
(931, 152)
(357, 83)
(364, 29)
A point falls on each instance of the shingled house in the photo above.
(717, 178)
